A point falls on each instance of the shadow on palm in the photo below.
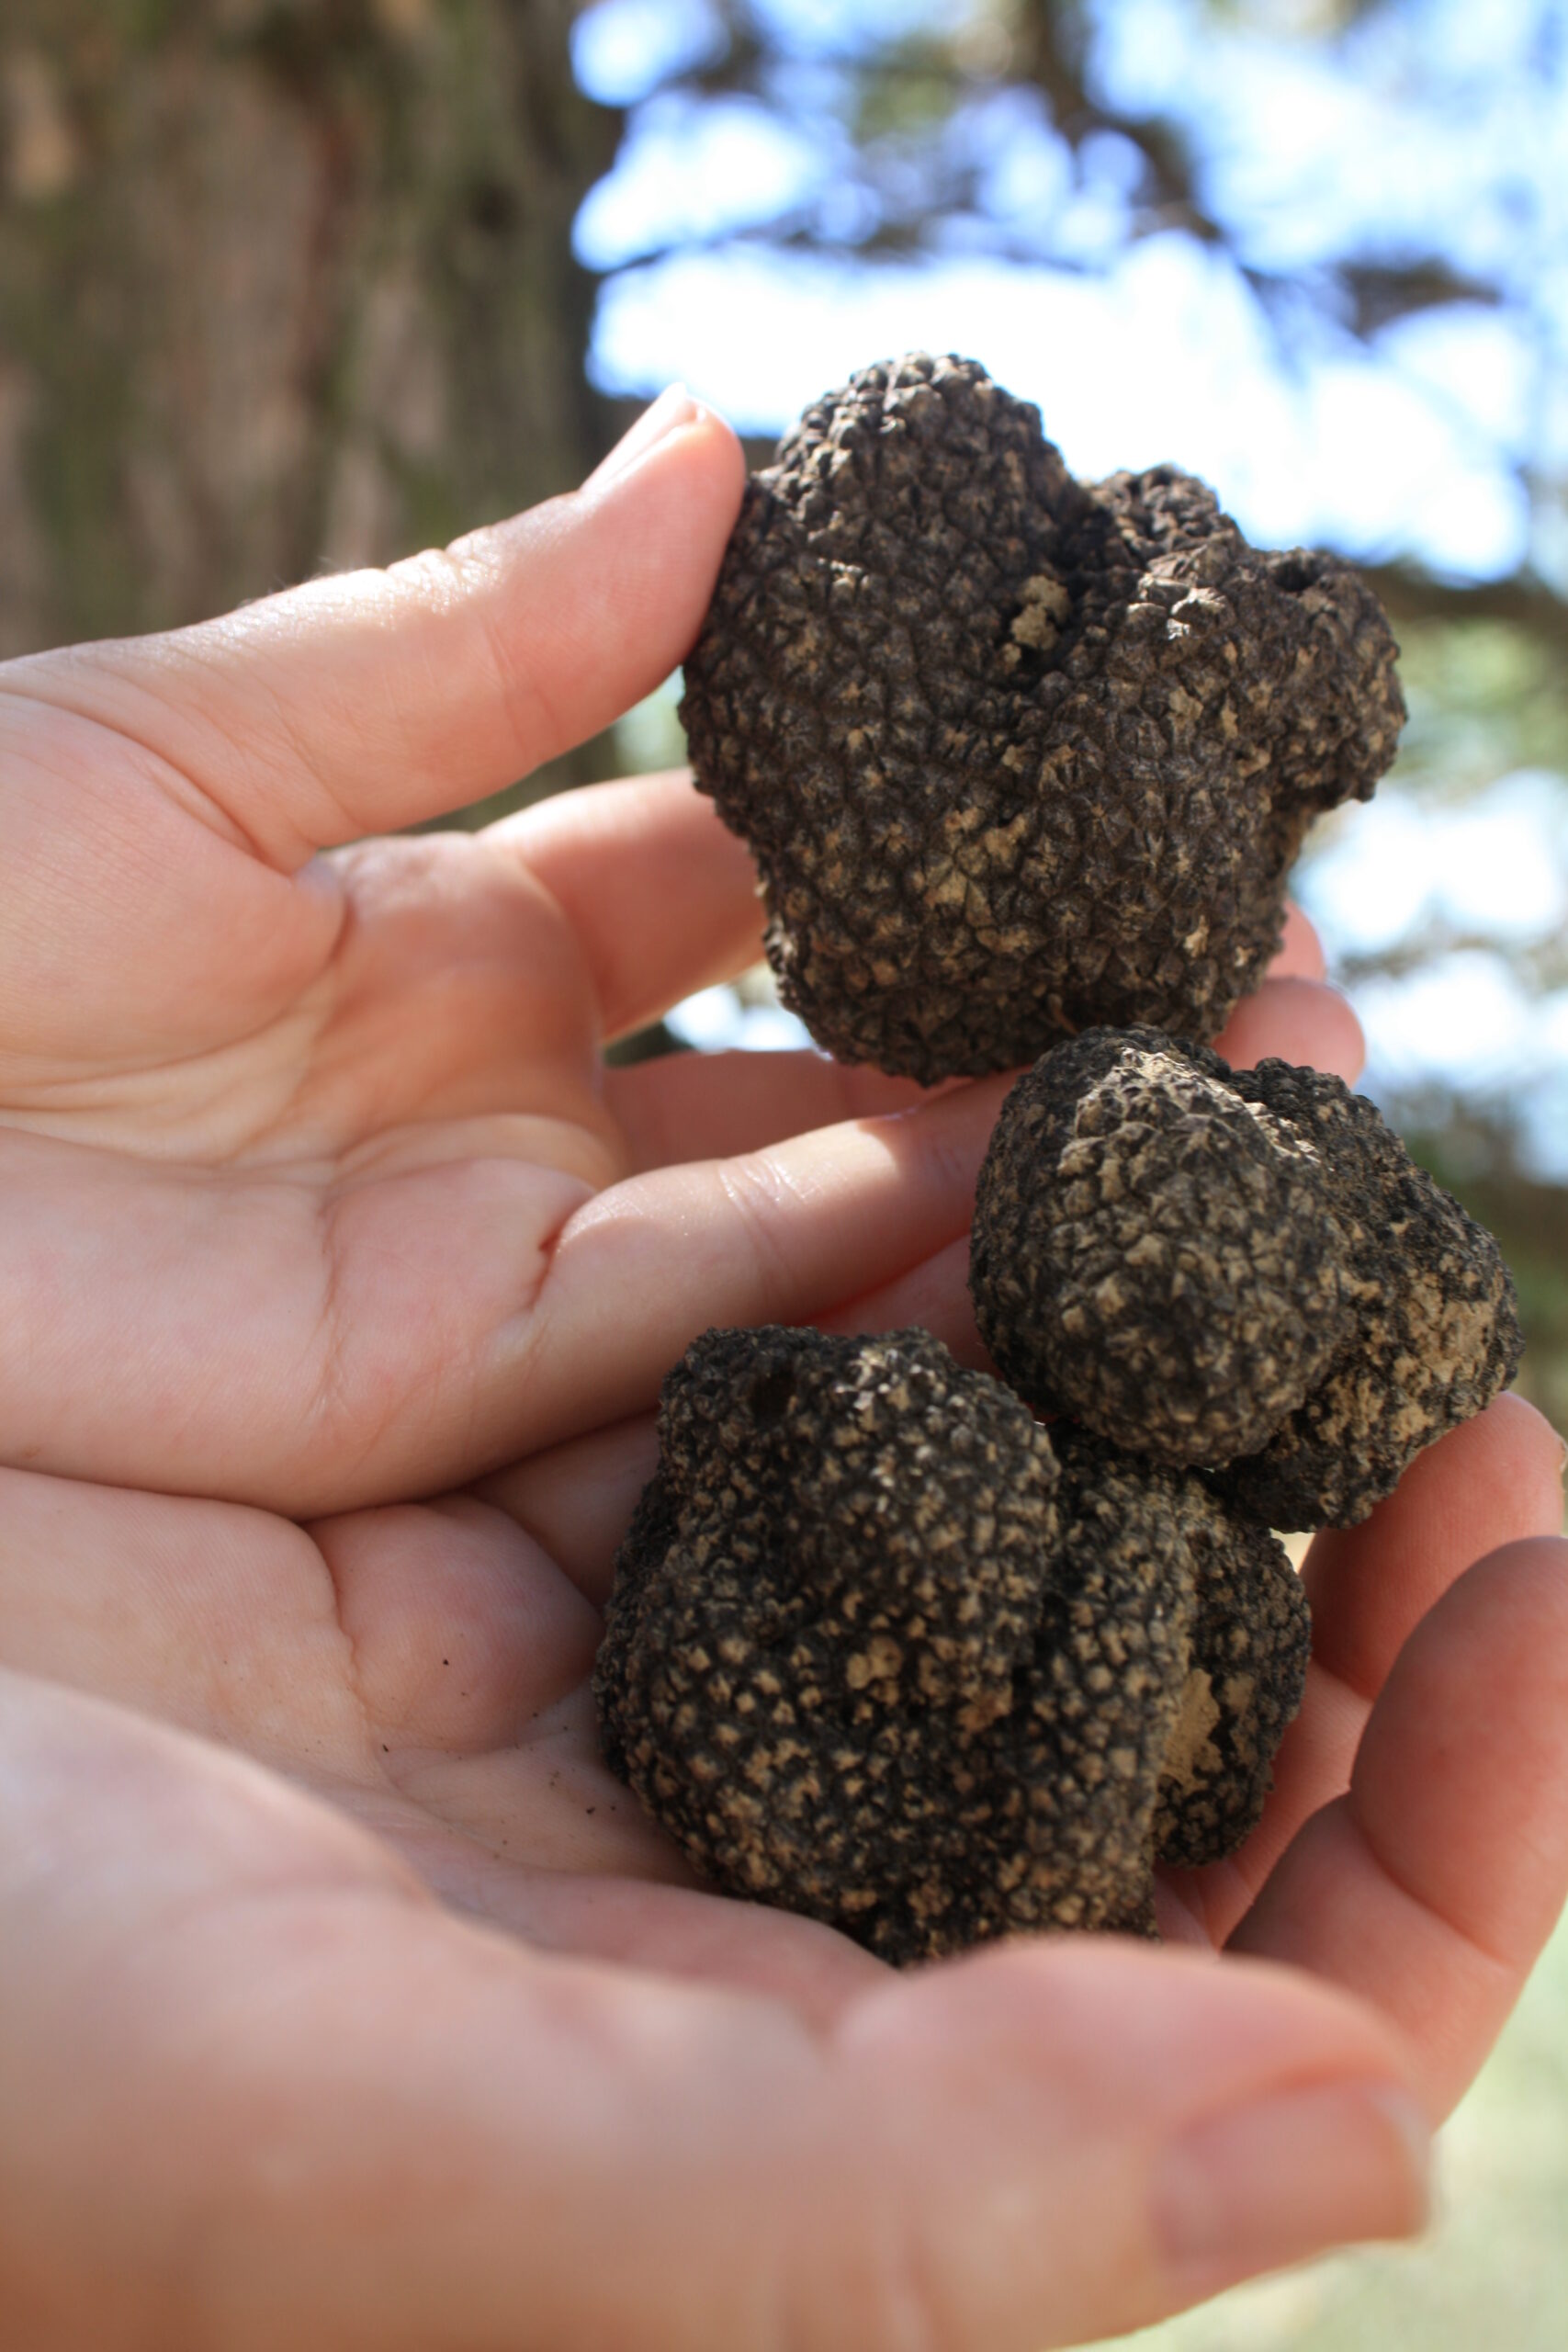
(426, 1669)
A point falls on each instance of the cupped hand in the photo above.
(316, 1200)
(260, 2087)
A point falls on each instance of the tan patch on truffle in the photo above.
(1189, 1746)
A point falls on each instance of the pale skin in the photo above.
(345, 1999)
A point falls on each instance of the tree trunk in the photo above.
(283, 284)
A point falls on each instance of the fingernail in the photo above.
(1289, 2178)
(674, 408)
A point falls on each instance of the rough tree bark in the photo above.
(283, 284)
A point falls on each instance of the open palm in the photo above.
(344, 1277)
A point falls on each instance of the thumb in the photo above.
(258, 2089)
(1082, 2136)
(370, 700)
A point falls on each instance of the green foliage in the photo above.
(1485, 697)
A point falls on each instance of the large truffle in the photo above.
(873, 1652)
(1015, 755)
(1238, 1269)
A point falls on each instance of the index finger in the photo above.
(661, 895)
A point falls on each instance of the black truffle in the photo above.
(1017, 755)
(1238, 1269)
(876, 1654)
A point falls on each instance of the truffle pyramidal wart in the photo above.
(882, 1650)
(1241, 1270)
(1017, 756)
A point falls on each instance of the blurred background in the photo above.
(287, 285)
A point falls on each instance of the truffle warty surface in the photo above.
(1241, 1268)
(1017, 756)
(883, 1650)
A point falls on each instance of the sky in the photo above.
(1434, 125)
(1411, 447)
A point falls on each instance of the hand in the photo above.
(315, 1189)
(313, 1198)
(261, 2088)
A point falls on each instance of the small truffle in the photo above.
(1153, 1255)
(874, 1654)
(1241, 1270)
(1015, 755)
